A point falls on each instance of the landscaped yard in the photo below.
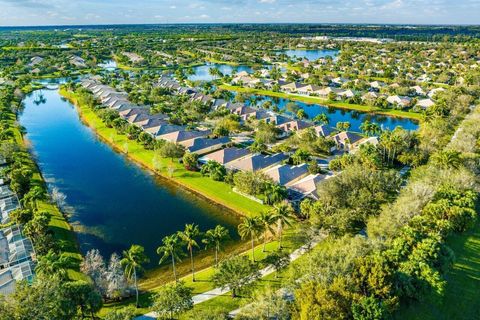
(461, 299)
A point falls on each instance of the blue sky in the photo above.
(58, 12)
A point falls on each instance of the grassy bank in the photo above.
(215, 191)
(154, 279)
(318, 100)
(461, 299)
(62, 231)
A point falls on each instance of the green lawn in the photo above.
(152, 283)
(335, 104)
(215, 191)
(461, 299)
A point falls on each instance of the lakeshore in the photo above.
(328, 103)
(217, 192)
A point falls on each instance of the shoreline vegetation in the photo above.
(63, 232)
(327, 103)
(216, 192)
(158, 276)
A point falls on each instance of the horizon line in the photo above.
(244, 23)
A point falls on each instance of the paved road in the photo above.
(202, 297)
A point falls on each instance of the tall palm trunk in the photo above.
(216, 254)
(253, 249)
(136, 286)
(264, 240)
(280, 232)
(193, 265)
(174, 270)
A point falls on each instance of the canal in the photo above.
(113, 202)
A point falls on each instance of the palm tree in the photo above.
(30, 199)
(275, 193)
(249, 228)
(214, 238)
(322, 118)
(266, 220)
(170, 248)
(53, 265)
(133, 259)
(188, 236)
(447, 159)
(366, 127)
(283, 215)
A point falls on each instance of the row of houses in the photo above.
(296, 178)
(17, 254)
(425, 99)
(156, 125)
(287, 125)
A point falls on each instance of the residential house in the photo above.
(184, 137)
(202, 145)
(285, 174)
(256, 162)
(402, 101)
(306, 187)
(425, 103)
(344, 140)
(225, 156)
(324, 130)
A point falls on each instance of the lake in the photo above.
(114, 202)
(202, 72)
(310, 55)
(341, 115)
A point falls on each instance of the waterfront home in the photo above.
(202, 146)
(225, 156)
(308, 89)
(16, 259)
(184, 137)
(306, 187)
(354, 147)
(8, 205)
(246, 112)
(203, 98)
(114, 98)
(401, 101)
(285, 174)
(344, 140)
(345, 94)
(291, 87)
(163, 128)
(255, 162)
(245, 80)
(324, 130)
(288, 125)
(369, 96)
(131, 114)
(425, 103)
(5, 192)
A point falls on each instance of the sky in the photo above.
(81, 12)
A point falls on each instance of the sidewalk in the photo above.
(202, 297)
